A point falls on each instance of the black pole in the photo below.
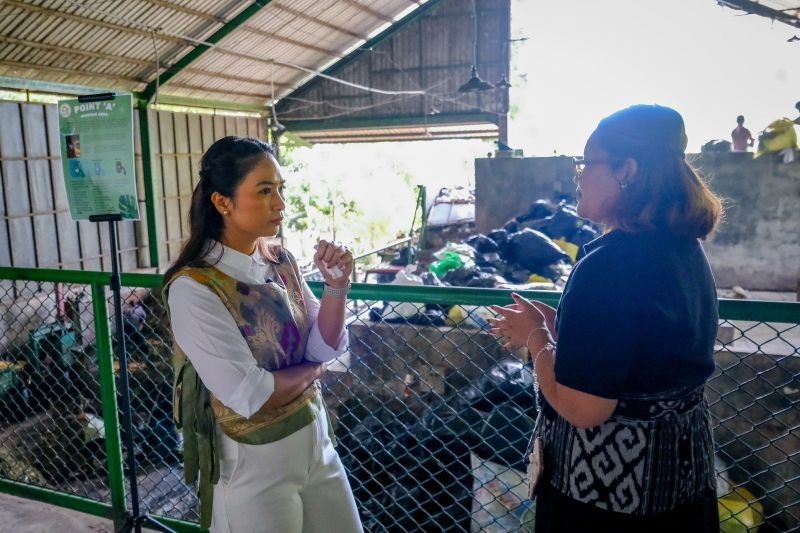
(116, 286)
(136, 519)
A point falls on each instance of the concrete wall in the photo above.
(757, 246)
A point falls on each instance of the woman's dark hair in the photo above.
(222, 169)
(666, 194)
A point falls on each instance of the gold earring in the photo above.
(226, 212)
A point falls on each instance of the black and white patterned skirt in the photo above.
(655, 453)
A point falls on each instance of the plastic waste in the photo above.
(532, 249)
(777, 136)
(404, 309)
(450, 261)
(740, 512)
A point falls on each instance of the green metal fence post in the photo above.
(108, 396)
(147, 179)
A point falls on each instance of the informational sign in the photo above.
(96, 134)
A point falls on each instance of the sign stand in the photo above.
(135, 520)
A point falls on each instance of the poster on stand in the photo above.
(96, 136)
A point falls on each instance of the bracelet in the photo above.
(534, 330)
(548, 346)
(334, 292)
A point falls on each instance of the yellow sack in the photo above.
(778, 136)
(739, 512)
(570, 249)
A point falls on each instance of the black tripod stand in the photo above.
(136, 519)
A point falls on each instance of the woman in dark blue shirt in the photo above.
(624, 430)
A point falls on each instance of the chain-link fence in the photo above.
(432, 415)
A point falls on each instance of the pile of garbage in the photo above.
(533, 251)
(410, 467)
(539, 245)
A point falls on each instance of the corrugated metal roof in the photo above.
(786, 11)
(115, 44)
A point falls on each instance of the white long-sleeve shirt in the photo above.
(208, 335)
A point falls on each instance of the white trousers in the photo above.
(294, 485)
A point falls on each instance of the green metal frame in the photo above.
(444, 119)
(149, 189)
(108, 397)
(201, 49)
(66, 89)
(746, 310)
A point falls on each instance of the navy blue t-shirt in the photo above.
(638, 315)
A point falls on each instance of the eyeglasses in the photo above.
(581, 163)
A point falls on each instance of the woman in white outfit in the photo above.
(250, 342)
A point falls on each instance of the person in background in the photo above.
(624, 428)
(741, 136)
(250, 342)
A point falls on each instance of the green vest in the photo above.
(272, 318)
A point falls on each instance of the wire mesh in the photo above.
(52, 432)
(431, 414)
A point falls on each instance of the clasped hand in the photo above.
(335, 261)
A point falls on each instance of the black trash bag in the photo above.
(484, 280)
(549, 271)
(410, 473)
(512, 226)
(403, 256)
(460, 276)
(502, 383)
(374, 444)
(539, 209)
(430, 317)
(376, 312)
(505, 436)
(515, 273)
(532, 249)
(489, 270)
(435, 492)
(482, 243)
(453, 418)
(563, 223)
(431, 279)
(491, 260)
(499, 236)
(716, 145)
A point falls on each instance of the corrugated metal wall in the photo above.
(36, 229)
(433, 53)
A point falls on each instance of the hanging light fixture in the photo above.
(504, 83)
(475, 83)
(276, 127)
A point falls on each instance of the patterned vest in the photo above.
(272, 318)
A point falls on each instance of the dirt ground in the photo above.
(29, 516)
